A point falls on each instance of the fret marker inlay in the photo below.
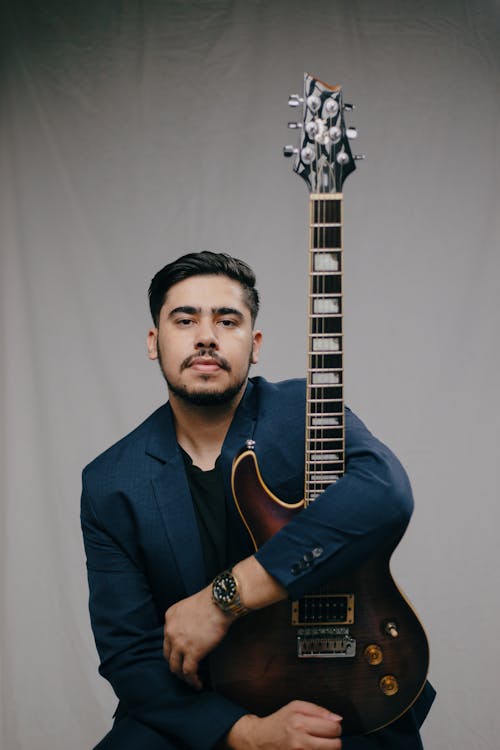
(326, 305)
(326, 344)
(326, 262)
(325, 422)
(325, 457)
(325, 378)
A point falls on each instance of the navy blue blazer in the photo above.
(144, 551)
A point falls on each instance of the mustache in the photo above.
(206, 354)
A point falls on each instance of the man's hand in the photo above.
(296, 726)
(193, 628)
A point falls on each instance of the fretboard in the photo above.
(325, 397)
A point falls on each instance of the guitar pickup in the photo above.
(323, 609)
(325, 643)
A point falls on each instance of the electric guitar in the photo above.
(356, 646)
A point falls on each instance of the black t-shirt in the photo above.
(207, 491)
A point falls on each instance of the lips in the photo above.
(206, 363)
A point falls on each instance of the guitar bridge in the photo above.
(325, 643)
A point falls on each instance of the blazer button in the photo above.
(317, 551)
(295, 569)
(308, 557)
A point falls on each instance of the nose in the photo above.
(207, 336)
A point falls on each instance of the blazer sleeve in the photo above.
(129, 639)
(369, 507)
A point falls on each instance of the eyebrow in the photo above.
(189, 310)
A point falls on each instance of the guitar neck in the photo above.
(325, 382)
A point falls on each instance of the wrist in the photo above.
(226, 594)
(240, 736)
(257, 587)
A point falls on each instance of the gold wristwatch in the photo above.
(225, 593)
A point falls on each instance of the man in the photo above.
(159, 525)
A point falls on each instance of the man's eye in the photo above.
(184, 322)
(225, 323)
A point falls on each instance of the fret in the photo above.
(325, 224)
(335, 399)
(318, 273)
(331, 389)
(326, 325)
(332, 398)
(326, 284)
(336, 434)
(324, 353)
(324, 361)
(335, 402)
(331, 446)
(324, 316)
(313, 489)
(326, 210)
(312, 441)
(329, 237)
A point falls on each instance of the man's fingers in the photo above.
(166, 641)
(166, 648)
(190, 673)
(312, 709)
(175, 663)
(319, 727)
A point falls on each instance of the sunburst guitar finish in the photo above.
(375, 652)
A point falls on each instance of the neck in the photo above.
(201, 430)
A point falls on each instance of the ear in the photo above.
(256, 344)
(152, 343)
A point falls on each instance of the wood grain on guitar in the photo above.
(356, 646)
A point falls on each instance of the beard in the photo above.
(206, 397)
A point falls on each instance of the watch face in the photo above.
(224, 588)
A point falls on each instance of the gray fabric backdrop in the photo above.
(133, 131)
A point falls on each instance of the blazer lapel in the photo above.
(172, 495)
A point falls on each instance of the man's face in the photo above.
(204, 340)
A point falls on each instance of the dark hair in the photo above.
(205, 263)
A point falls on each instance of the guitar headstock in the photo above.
(324, 158)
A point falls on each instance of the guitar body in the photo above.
(257, 663)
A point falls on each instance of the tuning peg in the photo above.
(290, 151)
(342, 157)
(349, 107)
(313, 102)
(335, 134)
(294, 100)
(351, 132)
(359, 157)
(307, 154)
(331, 106)
(294, 125)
